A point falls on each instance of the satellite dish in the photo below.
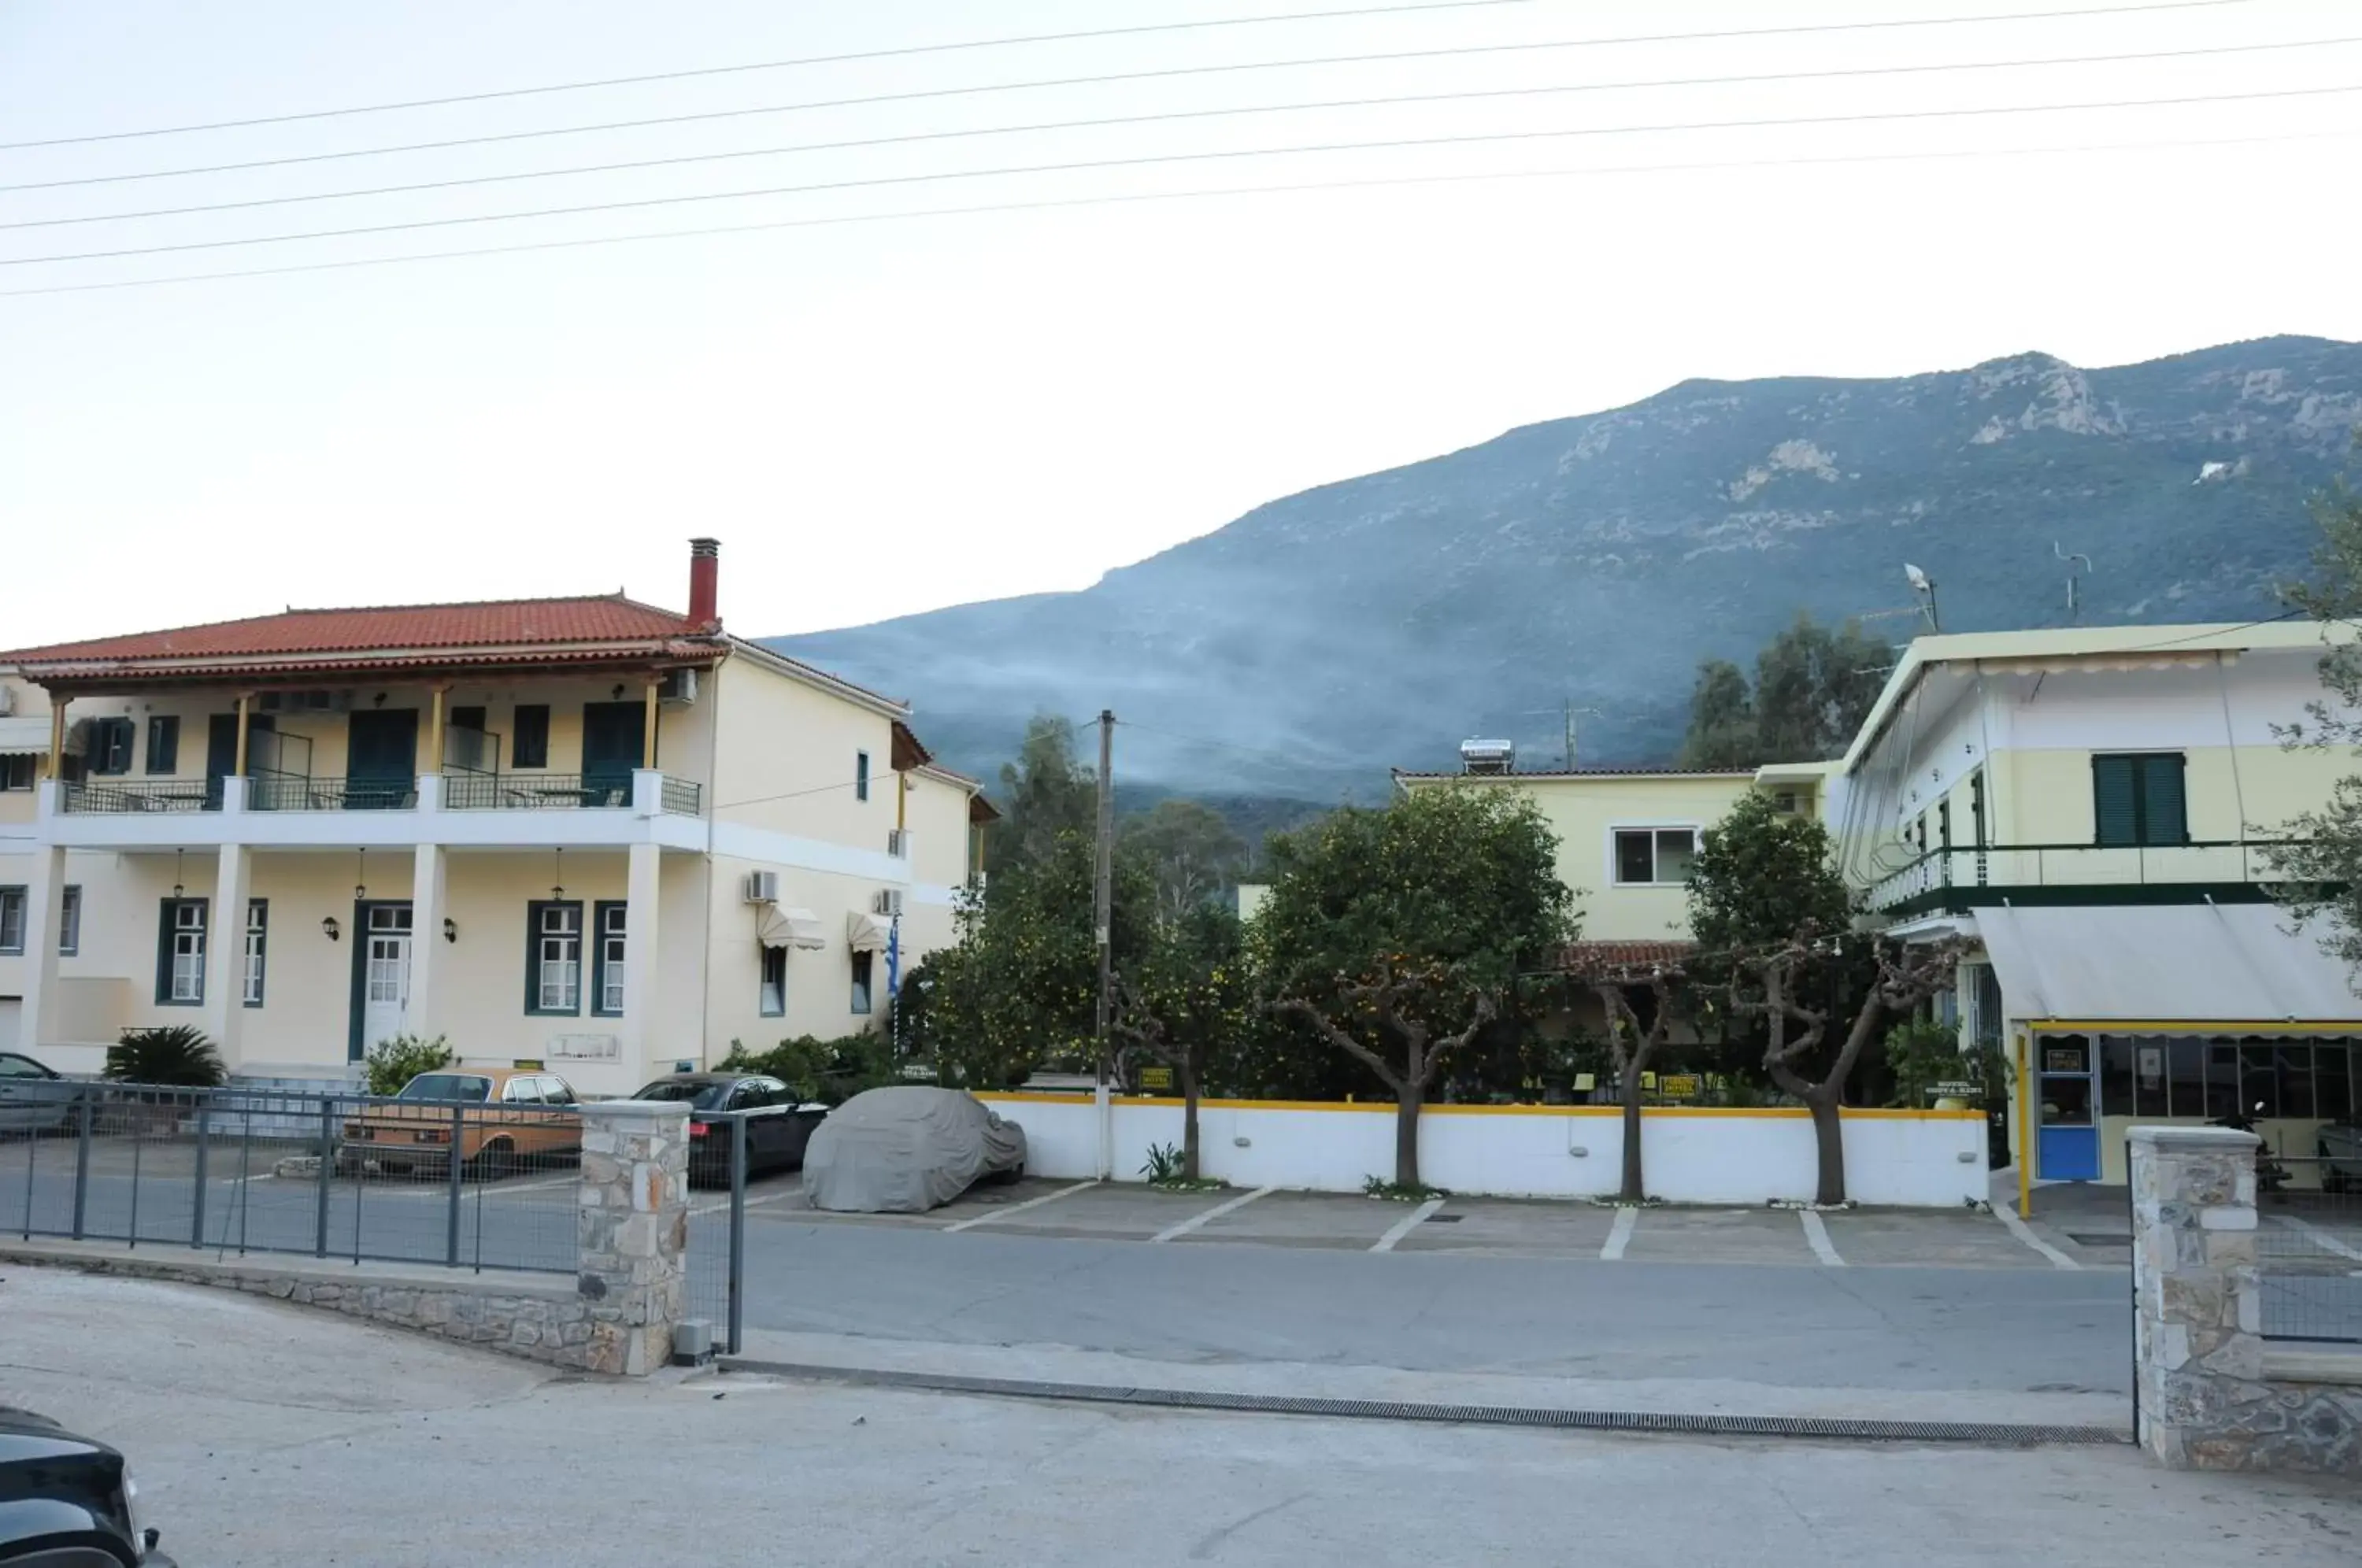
(1918, 578)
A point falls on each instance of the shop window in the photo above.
(2222, 1081)
(2333, 1080)
(2258, 1080)
(2292, 1078)
(2116, 1075)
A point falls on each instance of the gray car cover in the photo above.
(907, 1149)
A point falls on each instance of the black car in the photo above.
(67, 1502)
(780, 1123)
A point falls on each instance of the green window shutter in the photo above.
(2164, 812)
(2115, 800)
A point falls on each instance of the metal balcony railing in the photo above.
(157, 795)
(683, 797)
(290, 792)
(1967, 875)
(534, 792)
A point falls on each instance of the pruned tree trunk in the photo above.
(1188, 1117)
(1632, 1191)
(1409, 1102)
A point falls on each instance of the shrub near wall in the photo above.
(1695, 1156)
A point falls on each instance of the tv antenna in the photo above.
(1925, 587)
(2070, 557)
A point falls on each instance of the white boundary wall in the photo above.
(1923, 1158)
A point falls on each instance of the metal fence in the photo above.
(2309, 1247)
(717, 1226)
(251, 1170)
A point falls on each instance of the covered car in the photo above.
(907, 1148)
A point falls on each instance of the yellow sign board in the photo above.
(1678, 1086)
(1156, 1077)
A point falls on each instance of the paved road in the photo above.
(1801, 1327)
(272, 1437)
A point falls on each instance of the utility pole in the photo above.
(1102, 934)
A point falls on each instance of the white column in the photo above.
(643, 1052)
(45, 908)
(427, 906)
(225, 1010)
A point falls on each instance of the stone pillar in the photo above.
(224, 1009)
(632, 1235)
(2198, 1306)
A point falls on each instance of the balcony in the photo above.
(268, 808)
(1962, 878)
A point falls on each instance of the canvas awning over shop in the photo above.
(864, 934)
(784, 927)
(2185, 965)
(24, 734)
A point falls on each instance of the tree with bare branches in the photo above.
(1631, 1046)
(1769, 983)
(1404, 1049)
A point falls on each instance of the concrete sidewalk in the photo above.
(269, 1436)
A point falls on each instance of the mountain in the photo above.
(1306, 647)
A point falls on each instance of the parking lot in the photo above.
(1479, 1227)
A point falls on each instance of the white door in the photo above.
(385, 973)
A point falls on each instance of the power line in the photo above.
(1163, 73)
(903, 53)
(1135, 197)
(1171, 158)
(1392, 99)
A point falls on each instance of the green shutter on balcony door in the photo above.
(2115, 800)
(2164, 815)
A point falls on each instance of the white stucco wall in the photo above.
(1921, 1159)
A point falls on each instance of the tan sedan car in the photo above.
(508, 1117)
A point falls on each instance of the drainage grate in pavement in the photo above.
(1445, 1219)
(1990, 1434)
(2099, 1239)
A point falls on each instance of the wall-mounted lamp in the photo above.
(329, 927)
(618, 693)
(451, 929)
(377, 701)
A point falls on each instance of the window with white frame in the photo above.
(258, 933)
(610, 960)
(182, 980)
(556, 958)
(70, 923)
(18, 770)
(1653, 856)
(12, 920)
(773, 1002)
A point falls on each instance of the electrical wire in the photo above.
(911, 50)
(1472, 139)
(790, 795)
(1106, 122)
(1052, 204)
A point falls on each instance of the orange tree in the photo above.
(1184, 1001)
(1020, 987)
(1393, 936)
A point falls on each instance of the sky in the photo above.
(881, 405)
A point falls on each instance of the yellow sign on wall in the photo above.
(1678, 1086)
(1156, 1077)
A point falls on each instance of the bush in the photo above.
(394, 1063)
(177, 1057)
(829, 1071)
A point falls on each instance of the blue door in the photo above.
(2069, 1147)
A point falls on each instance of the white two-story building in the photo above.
(2092, 810)
(583, 831)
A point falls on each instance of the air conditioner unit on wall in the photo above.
(762, 887)
(7, 700)
(897, 843)
(679, 688)
(889, 902)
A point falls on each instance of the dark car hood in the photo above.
(25, 1435)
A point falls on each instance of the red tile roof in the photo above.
(508, 623)
(1601, 956)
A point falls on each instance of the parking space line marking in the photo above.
(1406, 1224)
(1216, 1212)
(2025, 1232)
(1618, 1235)
(991, 1214)
(2318, 1236)
(1817, 1233)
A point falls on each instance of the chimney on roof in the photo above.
(704, 571)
